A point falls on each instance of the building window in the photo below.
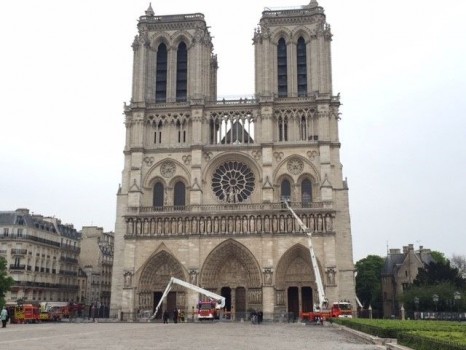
(306, 192)
(158, 195)
(303, 129)
(161, 74)
(158, 132)
(20, 232)
(282, 129)
(233, 182)
(180, 126)
(282, 75)
(301, 67)
(179, 195)
(231, 129)
(5, 231)
(285, 190)
(181, 72)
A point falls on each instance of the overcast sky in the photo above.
(400, 67)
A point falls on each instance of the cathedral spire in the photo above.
(150, 12)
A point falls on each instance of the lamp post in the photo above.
(457, 298)
(435, 299)
(416, 303)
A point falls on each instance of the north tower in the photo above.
(204, 178)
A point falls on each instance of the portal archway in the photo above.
(232, 265)
(296, 280)
(154, 278)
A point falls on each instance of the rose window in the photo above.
(233, 182)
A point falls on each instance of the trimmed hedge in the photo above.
(419, 335)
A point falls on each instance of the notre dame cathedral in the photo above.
(204, 178)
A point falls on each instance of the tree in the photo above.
(459, 261)
(368, 281)
(439, 257)
(5, 281)
(438, 278)
(437, 273)
(424, 294)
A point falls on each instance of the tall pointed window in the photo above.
(228, 129)
(301, 67)
(282, 129)
(282, 77)
(285, 190)
(158, 196)
(181, 129)
(179, 194)
(306, 193)
(181, 72)
(303, 128)
(161, 74)
(158, 132)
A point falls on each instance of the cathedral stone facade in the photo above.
(204, 178)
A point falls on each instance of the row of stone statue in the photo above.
(150, 226)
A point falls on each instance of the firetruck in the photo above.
(321, 310)
(24, 313)
(206, 310)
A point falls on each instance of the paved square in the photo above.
(197, 336)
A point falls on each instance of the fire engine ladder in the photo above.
(320, 287)
(218, 298)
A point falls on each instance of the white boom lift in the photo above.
(218, 298)
(323, 302)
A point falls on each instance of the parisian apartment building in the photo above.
(43, 257)
(96, 260)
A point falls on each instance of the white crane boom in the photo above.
(218, 298)
(320, 287)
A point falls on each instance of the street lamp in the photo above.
(416, 303)
(435, 299)
(457, 297)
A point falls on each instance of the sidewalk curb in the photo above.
(387, 343)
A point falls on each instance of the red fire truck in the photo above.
(206, 310)
(24, 313)
(321, 310)
(341, 309)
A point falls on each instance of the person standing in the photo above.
(4, 316)
(260, 317)
(175, 315)
(165, 316)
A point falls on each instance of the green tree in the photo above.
(439, 278)
(424, 294)
(439, 257)
(5, 281)
(368, 281)
(439, 272)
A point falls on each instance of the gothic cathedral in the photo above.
(205, 178)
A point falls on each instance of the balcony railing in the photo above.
(230, 219)
(236, 207)
(17, 267)
(19, 251)
(69, 260)
(30, 238)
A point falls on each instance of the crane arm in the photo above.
(320, 287)
(218, 298)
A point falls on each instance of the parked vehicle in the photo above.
(24, 313)
(207, 310)
(321, 310)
